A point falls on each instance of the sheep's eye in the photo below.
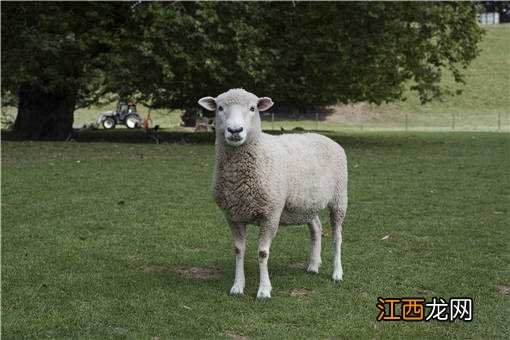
(252, 109)
(220, 108)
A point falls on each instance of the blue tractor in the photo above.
(125, 114)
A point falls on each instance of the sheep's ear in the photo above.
(208, 103)
(264, 103)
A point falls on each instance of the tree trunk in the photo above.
(43, 115)
(189, 117)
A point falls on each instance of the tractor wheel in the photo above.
(109, 123)
(133, 122)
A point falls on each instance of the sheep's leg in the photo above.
(267, 232)
(315, 245)
(337, 218)
(238, 233)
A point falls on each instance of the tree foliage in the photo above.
(302, 53)
(180, 51)
(58, 47)
(168, 54)
(52, 56)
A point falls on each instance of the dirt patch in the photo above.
(503, 290)
(424, 291)
(135, 156)
(237, 337)
(300, 292)
(297, 265)
(353, 113)
(156, 269)
(340, 113)
(203, 273)
(295, 292)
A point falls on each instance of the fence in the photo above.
(494, 122)
(497, 122)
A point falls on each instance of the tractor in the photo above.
(125, 114)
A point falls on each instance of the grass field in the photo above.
(124, 240)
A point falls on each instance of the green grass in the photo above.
(94, 236)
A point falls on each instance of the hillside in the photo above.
(484, 95)
(487, 82)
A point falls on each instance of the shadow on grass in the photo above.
(345, 138)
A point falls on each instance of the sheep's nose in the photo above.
(234, 131)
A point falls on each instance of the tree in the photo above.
(183, 51)
(170, 54)
(351, 52)
(52, 54)
(302, 53)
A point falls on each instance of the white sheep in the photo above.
(270, 180)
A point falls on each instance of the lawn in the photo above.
(104, 239)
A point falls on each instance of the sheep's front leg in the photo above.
(267, 232)
(238, 232)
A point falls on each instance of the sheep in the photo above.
(270, 180)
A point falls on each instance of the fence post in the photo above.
(499, 121)
(453, 121)
(316, 121)
(272, 121)
(406, 121)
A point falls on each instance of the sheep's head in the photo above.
(237, 115)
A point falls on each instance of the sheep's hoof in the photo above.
(264, 294)
(337, 277)
(236, 291)
(313, 269)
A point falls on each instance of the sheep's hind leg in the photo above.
(268, 230)
(315, 245)
(337, 218)
(238, 233)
